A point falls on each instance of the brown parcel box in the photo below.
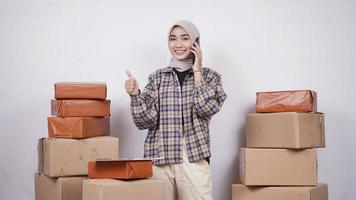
(286, 101)
(72, 90)
(110, 189)
(120, 169)
(69, 157)
(63, 188)
(78, 127)
(285, 130)
(242, 192)
(280, 167)
(80, 108)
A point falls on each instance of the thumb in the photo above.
(129, 75)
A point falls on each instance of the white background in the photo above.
(255, 45)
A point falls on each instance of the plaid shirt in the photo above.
(172, 112)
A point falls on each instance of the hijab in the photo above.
(193, 32)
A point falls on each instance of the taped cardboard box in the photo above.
(110, 189)
(63, 188)
(285, 130)
(78, 127)
(120, 169)
(80, 108)
(69, 157)
(278, 167)
(72, 90)
(242, 192)
(286, 101)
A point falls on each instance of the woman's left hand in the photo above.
(198, 57)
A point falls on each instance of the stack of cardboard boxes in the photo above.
(77, 133)
(79, 144)
(280, 161)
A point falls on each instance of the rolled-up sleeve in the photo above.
(209, 96)
(144, 107)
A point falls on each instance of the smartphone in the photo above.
(196, 41)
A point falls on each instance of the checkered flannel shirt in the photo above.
(171, 112)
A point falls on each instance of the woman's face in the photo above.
(179, 43)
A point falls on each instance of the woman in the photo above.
(176, 107)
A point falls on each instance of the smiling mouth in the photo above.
(180, 51)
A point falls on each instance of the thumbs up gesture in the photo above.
(131, 85)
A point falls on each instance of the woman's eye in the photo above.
(185, 39)
(172, 39)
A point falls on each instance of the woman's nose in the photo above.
(179, 44)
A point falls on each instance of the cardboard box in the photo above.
(242, 192)
(286, 101)
(110, 189)
(120, 169)
(285, 130)
(278, 167)
(80, 108)
(69, 157)
(64, 188)
(78, 127)
(71, 90)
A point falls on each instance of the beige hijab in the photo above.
(191, 29)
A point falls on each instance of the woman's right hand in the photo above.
(131, 85)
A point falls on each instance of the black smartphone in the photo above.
(196, 41)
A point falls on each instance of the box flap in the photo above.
(322, 124)
(46, 188)
(40, 155)
(72, 188)
(314, 99)
(311, 129)
(242, 165)
(55, 107)
(320, 192)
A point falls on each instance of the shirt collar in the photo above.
(169, 69)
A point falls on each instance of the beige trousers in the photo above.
(185, 181)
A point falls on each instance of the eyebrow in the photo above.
(183, 35)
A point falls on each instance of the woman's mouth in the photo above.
(180, 52)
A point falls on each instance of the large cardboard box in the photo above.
(69, 157)
(242, 192)
(72, 90)
(63, 188)
(120, 169)
(80, 108)
(282, 167)
(285, 130)
(110, 189)
(286, 101)
(78, 127)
